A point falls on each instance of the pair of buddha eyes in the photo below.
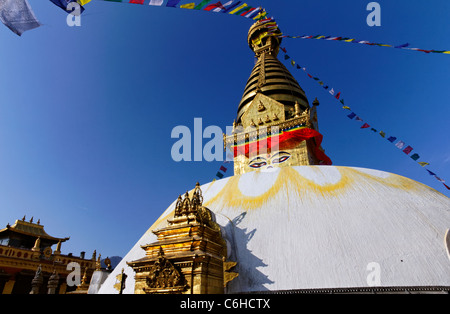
(277, 158)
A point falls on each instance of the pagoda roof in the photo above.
(31, 229)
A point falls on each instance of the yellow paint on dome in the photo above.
(288, 180)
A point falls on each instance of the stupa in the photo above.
(288, 221)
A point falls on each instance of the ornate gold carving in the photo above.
(261, 107)
(163, 275)
(227, 274)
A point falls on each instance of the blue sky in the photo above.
(86, 112)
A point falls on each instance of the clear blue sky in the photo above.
(86, 112)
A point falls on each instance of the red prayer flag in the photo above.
(337, 95)
(222, 168)
(365, 125)
(214, 6)
(407, 150)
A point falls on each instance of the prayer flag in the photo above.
(222, 168)
(407, 150)
(415, 157)
(284, 50)
(18, 16)
(358, 119)
(156, 2)
(431, 173)
(400, 144)
(64, 3)
(83, 2)
(346, 107)
(342, 101)
(423, 163)
(293, 62)
(242, 10)
(137, 1)
(202, 4)
(391, 139)
(172, 3)
(374, 130)
(228, 9)
(214, 6)
(439, 179)
(238, 8)
(448, 188)
(253, 12)
(382, 134)
(219, 175)
(331, 91)
(364, 126)
(188, 5)
(218, 9)
(352, 115)
(286, 57)
(337, 95)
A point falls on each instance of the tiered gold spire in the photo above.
(273, 102)
(269, 76)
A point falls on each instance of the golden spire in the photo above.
(269, 76)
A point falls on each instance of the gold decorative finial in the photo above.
(37, 245)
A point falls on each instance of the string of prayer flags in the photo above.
(393, 139)
(356, 41)
(18, 16)
(231, 7)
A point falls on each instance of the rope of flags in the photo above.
(232, 7)
(19, 17)
(364, 42)
(364, 125)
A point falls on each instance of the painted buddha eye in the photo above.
(258, 164)
(280, 159)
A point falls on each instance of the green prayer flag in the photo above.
(202, 4)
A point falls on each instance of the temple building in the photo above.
(288, 221)
(28, 264)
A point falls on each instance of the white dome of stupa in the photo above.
(307, 228)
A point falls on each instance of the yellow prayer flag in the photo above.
(83, 2)
(423, 163)
(238, 8)
(349, 40)
(188, 5)
(346, 107)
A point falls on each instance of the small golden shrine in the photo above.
(188, 256)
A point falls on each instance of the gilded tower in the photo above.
(275, 124)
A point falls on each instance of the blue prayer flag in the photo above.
(64, 3)
(391, 139)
